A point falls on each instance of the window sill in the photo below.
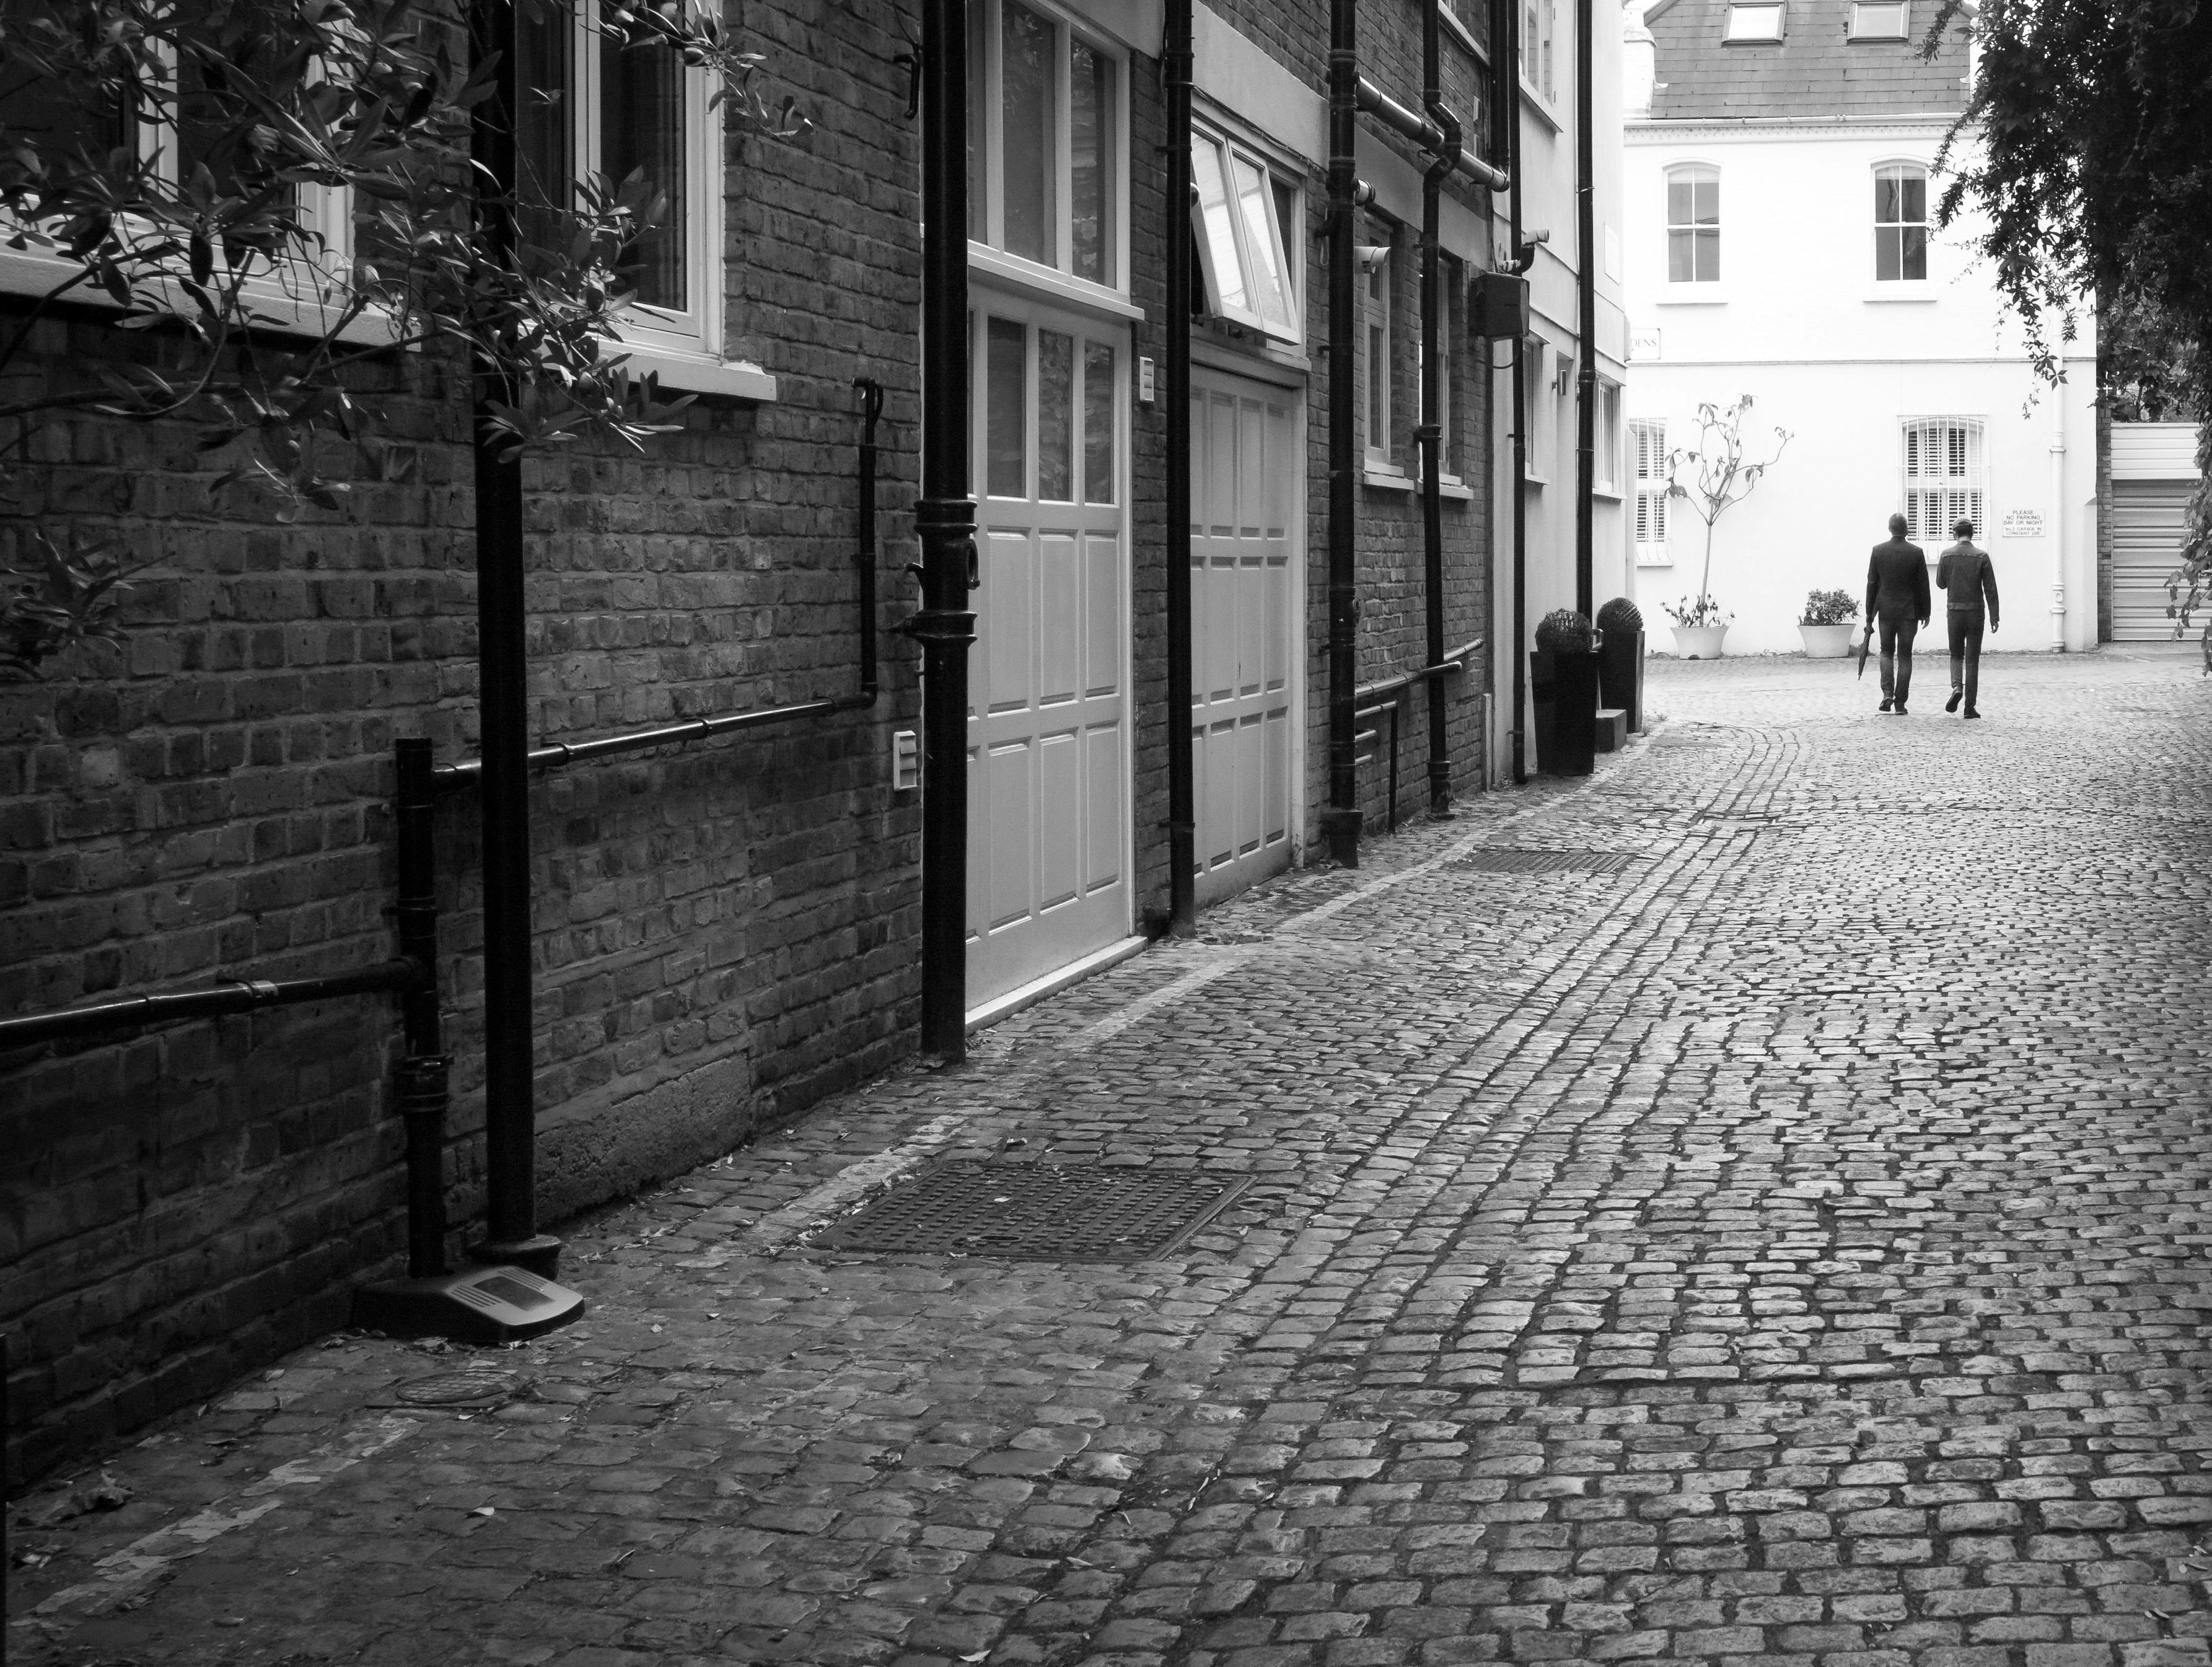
(1387, 480)
(1889, 293)
(1028, 275)
(1536, 480)
(275, 312)
(1691, 295)
(1654, 559)
(696, 374)
(1611, 494)
(1537, 104)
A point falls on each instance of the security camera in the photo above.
(1370, 255)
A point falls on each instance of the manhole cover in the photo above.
(1038, 1212)
(1546, 862)
(471, 1387)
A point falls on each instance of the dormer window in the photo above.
(1879, 20)
(1754, 24)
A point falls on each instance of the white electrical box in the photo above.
(906, 761)
(1144, 381)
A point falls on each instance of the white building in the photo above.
(1781, 242)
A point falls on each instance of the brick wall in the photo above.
(722, 933)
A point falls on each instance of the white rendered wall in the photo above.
(1799, 323)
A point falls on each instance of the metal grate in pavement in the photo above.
(1502, 860)
(1037, 1212)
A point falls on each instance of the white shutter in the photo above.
(1943, 476)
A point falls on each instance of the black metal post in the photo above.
(1182, 792)
(1524, 256)
(1341, 822)
(1586, 319)
(944, 519)
(502, 698)
(422, 1092)
(1433, 393)
(864, 557)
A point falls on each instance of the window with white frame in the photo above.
(1539, 26)
(1244, 219)
(1900, 223)
(1605, 466)
(1694, 224)
(202, 122)
(1450, 286)
(1377, 301)
(1943, 476)
(1647, 440)
(605, 109)
(1879, 20)
(1536, 431)
(1753, 24)
(1044, 120)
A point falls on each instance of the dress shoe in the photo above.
(1900, 709)
(1952, 705)
(1971, 713)
(1887, 704)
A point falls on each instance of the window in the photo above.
(1879, 20)
(1048, 416)
(1535, 439)
(1606, 468)
(1377, 303)
(1451, 286)
(1694, 224)
(1754, 24)
(1943, 476)
(1647, 439)
(196, 114)
(1044, 115)
(1245, 221)
(610, 110)
(1539, 23)
(1900, 223)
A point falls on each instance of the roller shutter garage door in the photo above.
(2147, 518)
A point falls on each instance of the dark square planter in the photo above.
(1621, 675)
(1563, 687)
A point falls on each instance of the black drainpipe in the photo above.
(1176, 53)
(1431, 433)
(944, 521)
(1586, 318)
(1341, 822)
(1524, 256)
(503, 703)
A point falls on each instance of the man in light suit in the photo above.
(1896, 601)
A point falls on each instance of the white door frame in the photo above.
(1033, 307)
(1293, 381)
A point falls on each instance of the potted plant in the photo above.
(1827, 625)
(1563, 686)
(1620, 659)
(1699, 626)
(1719, 479)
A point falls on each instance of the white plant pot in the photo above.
(1698, 642)
(1825, 642)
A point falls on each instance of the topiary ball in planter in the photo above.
(1620, 615)
(1565, 631)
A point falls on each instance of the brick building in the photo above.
(724, 932)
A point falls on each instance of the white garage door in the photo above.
(1244, 487)
(2147, 518)
(1048, 729)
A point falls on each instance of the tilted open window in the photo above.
(1244, 219)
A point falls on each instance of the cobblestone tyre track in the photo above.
(1789, 1248)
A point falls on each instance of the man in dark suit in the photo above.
(1896, 600)
(1965, 572)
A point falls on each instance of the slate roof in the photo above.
(1814, 72)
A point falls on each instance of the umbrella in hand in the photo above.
(1866, 638)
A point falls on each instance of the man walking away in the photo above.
(1896, 600)
(1967, 575)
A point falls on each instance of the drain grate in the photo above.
(1038, 1212)
(1505, 861)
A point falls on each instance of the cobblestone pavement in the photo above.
(1791, 1248)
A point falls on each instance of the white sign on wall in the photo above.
(1643, 344)
(2023, 524)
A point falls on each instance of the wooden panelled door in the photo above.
(1049, 712)
(1245, 483)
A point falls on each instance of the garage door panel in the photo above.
(1104, 818)
(1009, 597)
(1060, 619)
(2149, 521)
